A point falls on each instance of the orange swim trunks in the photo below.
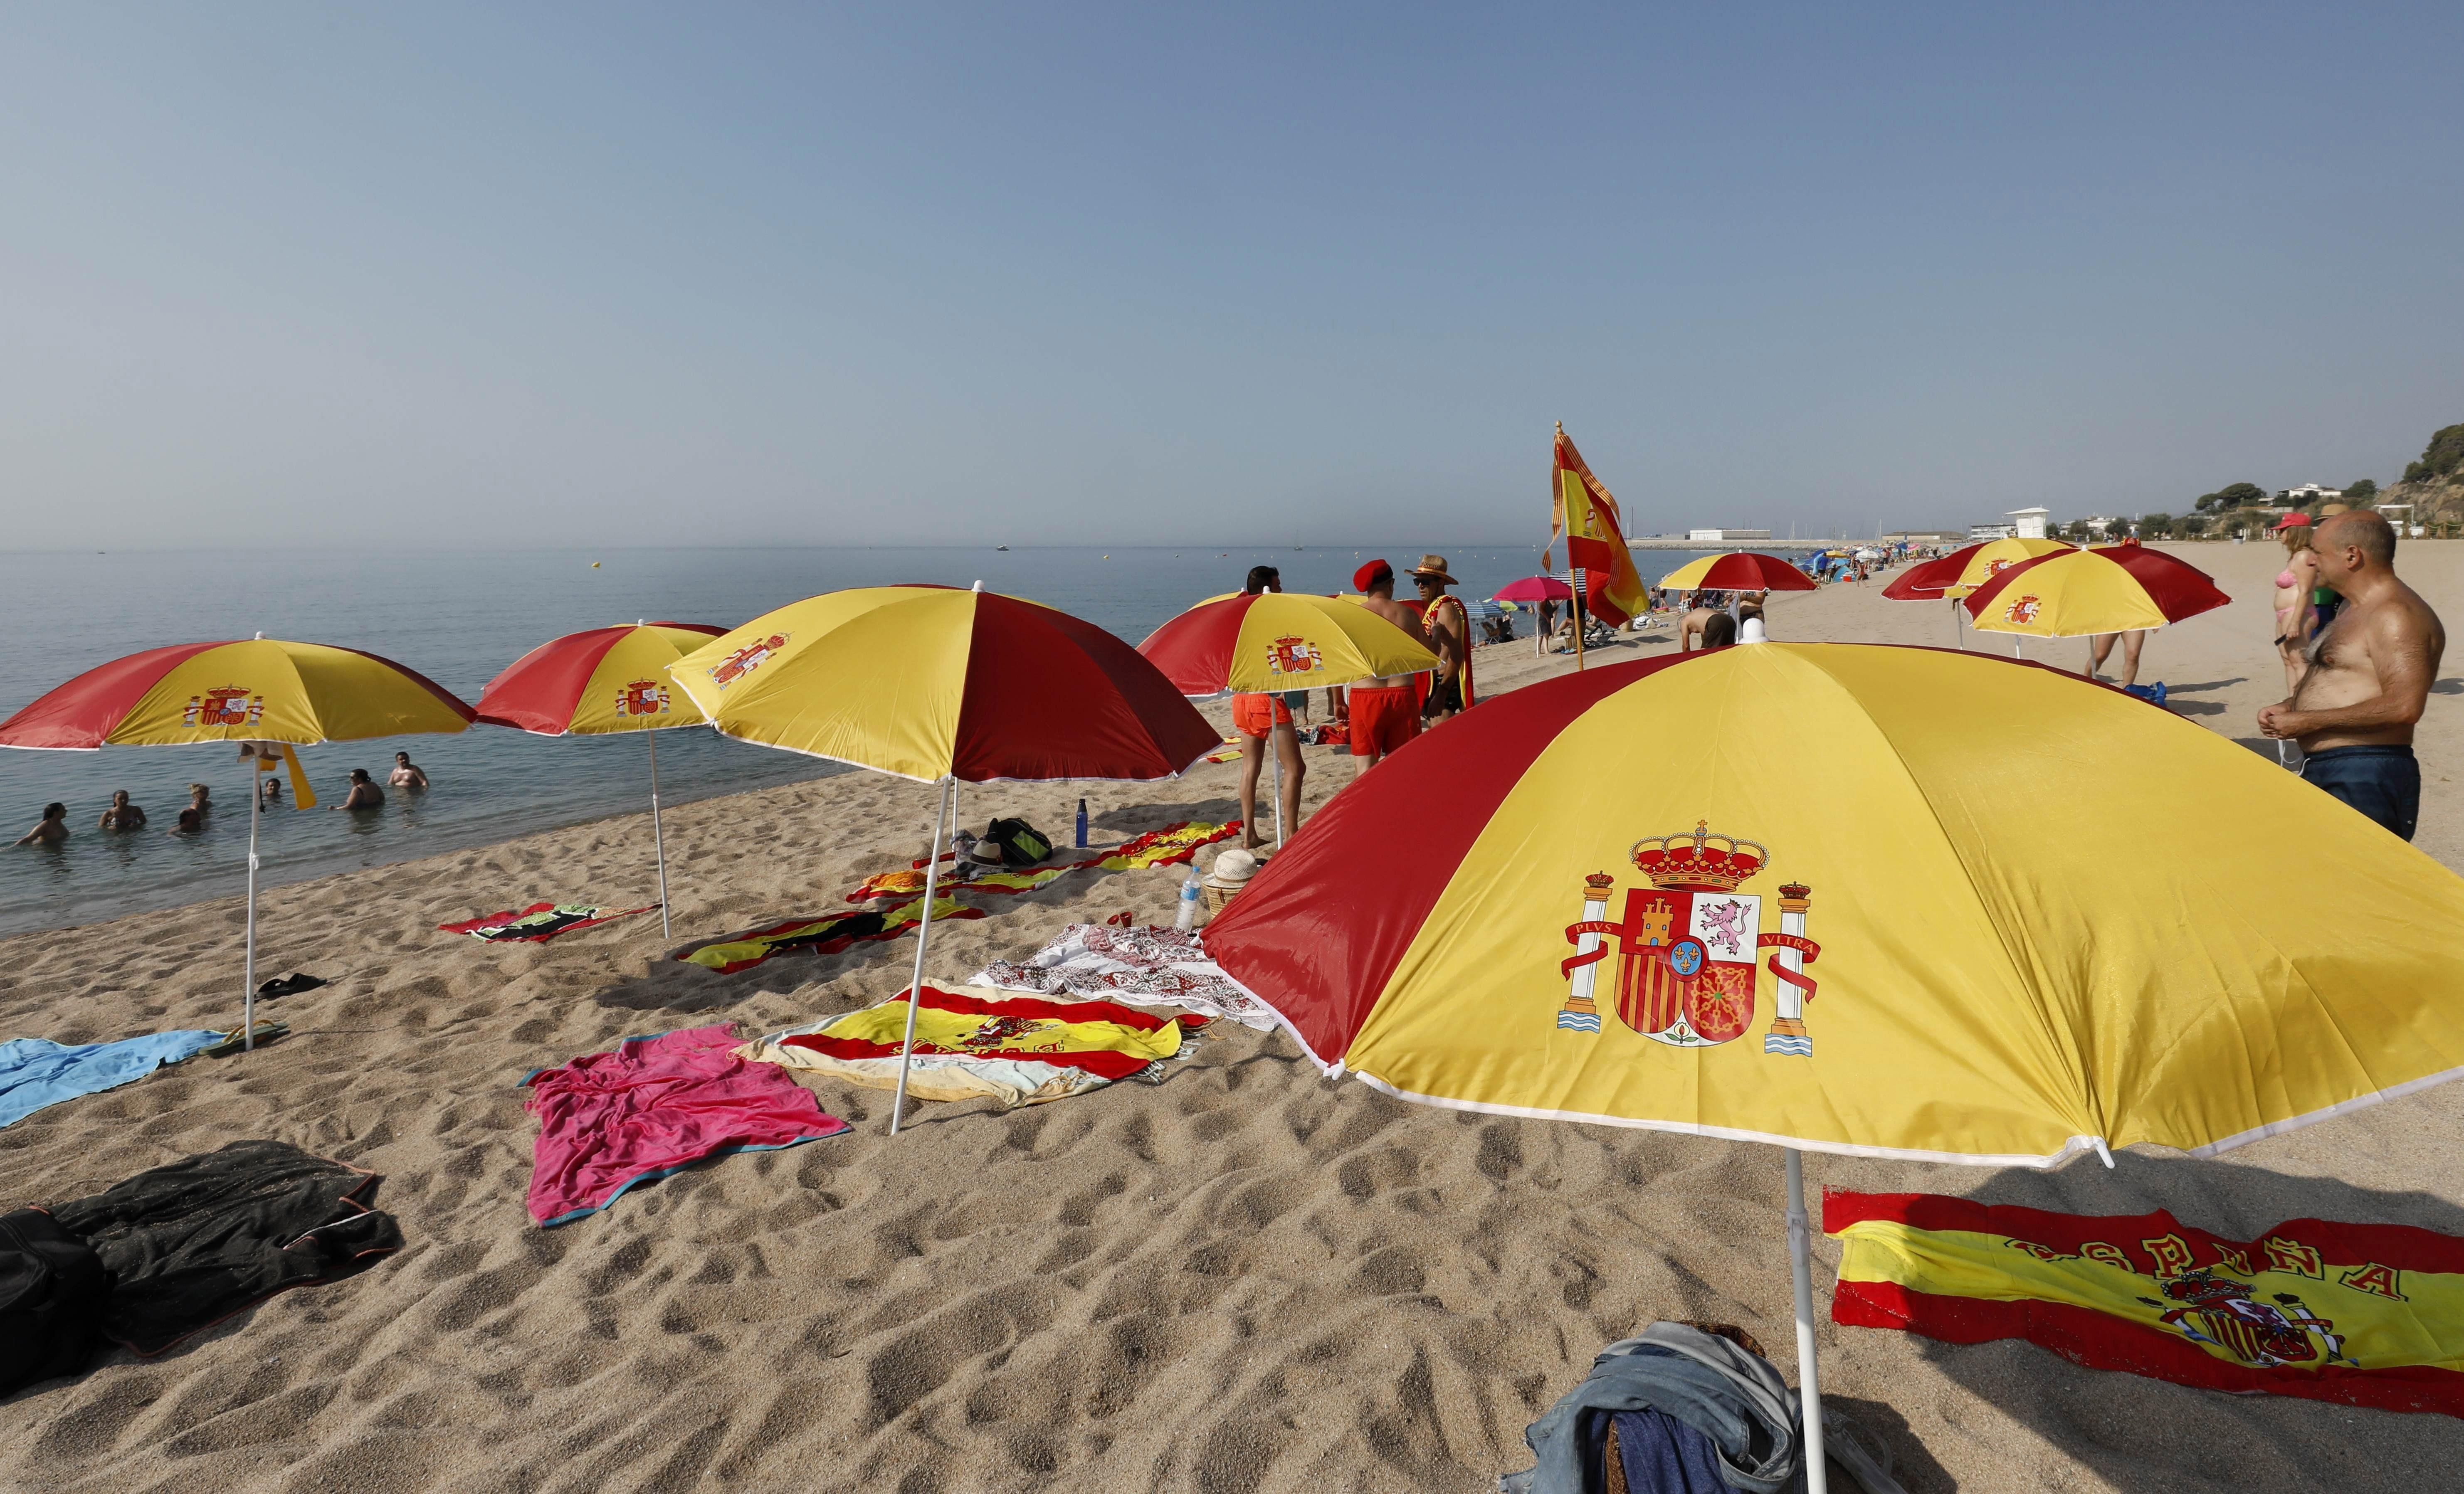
(1255, 715)
(1383, 718)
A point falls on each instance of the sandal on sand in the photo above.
(266, 1032)
(292, 984)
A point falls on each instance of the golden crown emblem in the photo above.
(1699, 860)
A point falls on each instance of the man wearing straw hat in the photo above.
(1448, 628)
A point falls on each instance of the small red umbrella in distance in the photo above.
(1535, 588)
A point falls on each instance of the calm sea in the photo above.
(459, 618)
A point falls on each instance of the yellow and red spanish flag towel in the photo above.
(1594, 542)
(2365, 1314)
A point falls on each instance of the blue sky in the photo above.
(1077, 275)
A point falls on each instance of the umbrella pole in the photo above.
(659, 837)
(248, 960)
(923, 928)
(1809, 1384)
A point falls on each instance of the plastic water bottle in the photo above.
(1082, 825)
(1190, 892)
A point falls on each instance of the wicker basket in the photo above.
(1218, 897)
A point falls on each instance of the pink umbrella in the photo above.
(1535, 588)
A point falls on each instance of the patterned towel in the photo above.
(1160, 967)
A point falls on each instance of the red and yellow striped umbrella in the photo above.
(605, 679)
(1282, 640)
(2080, 593)
(1881, 901)
(1739, 570)
(250, 689)
(601, 681)
(245, 689)
(1956, 574)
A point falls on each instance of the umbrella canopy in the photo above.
(1535, 588)
(935, 682)
(1955, 574)
(601, 680)
(247, 690)
(1280, 640)
(1739, 570)
(2076, 593)
(2003, 978)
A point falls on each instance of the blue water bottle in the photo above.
(1082, 825)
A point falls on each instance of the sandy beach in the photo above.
(1247, 1277)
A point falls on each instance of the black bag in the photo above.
(1022, 844)
(51, 1290)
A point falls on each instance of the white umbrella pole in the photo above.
(248, 961)
(923, 928)
(1274, 750)
(2015, 645)
(1809, 1384)
(658, 835)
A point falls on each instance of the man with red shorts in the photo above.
(1265, 724)
(1385, 710)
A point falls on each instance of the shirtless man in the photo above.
(406, 775)
(2369, 679)
(1693, 628)
(121, 815)
(1384, 715)
(1448, 631)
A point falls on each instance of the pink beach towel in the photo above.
(610, 1120)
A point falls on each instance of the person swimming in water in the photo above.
(364, 793)
(52, 830)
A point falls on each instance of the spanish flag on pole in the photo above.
(1594, 544)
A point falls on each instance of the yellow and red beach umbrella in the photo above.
(1739, 570)
(1862, 916)
(1281, 640)
(1960, 571)
(945, 686)
(248, 690)
(601, 681)
(2080, 593)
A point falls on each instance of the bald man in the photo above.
(2369, 676)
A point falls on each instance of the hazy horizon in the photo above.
(565, 277)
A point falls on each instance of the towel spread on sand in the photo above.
(1162, 967)
(1019, 1050)
(36, 1072)
(610, 1120)
(827, 934)
(540, 922)
(189, 1243)
(2366, 1314)
(1170, 846)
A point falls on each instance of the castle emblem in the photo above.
(1685, 946)
(642, 697)
(1293, 656)
(746, 660)
(2024, 610)
(227, 705)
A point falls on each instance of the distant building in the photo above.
(1722, 535)
(2027, 524)
(1976, 531)
(2309, 493)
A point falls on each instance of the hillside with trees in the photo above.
(2435, 484)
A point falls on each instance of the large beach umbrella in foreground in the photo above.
(1277, 641)
(1602, 928)
(601, 681)
(2080, 593)
(1739, 570)
(259, 690)
(940, 685)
